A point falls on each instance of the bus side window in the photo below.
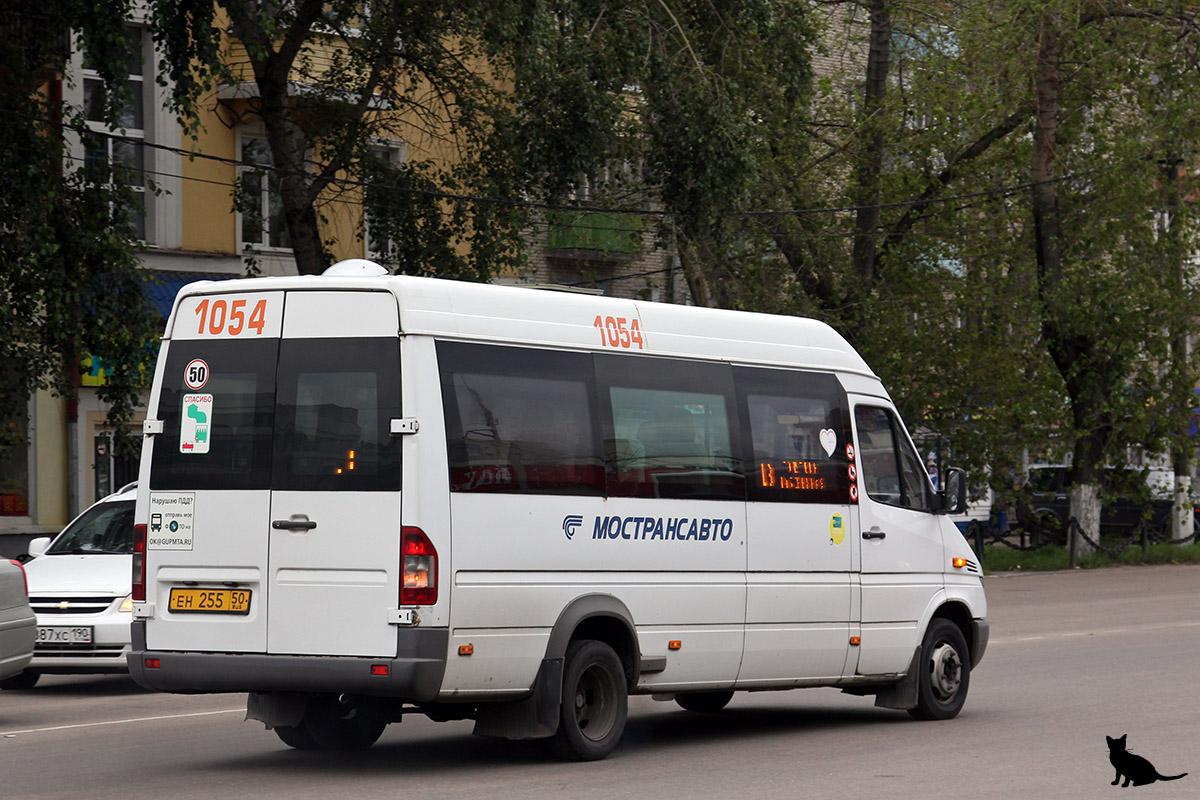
(520, 420)
(892, 472)
(669, 429)
(799, 427)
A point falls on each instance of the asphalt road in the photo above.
(1074, 656)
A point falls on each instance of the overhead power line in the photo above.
(999, 192)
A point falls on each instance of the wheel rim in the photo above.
(945, 672)
(595, 703)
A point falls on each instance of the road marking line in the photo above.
(1097, 632)
(122, 721)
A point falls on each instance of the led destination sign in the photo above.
(797, 475)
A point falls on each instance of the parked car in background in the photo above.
(18, 625)
(1127, 499)
(79, 585)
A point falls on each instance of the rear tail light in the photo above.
(418, 583)
(139, 564)
(23, 575)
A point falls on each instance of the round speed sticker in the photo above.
(195, 375)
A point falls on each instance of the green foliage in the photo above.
(984, 350)
(70, 283)
(503, 102)
(998, 558)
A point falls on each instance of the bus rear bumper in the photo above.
(415, 674)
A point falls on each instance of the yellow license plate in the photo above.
(209, 601)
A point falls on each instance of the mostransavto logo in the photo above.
(571, 525)
(678, 529)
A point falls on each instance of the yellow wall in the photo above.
(209, 224)
(50, 419)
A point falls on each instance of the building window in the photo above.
(260, 202)
(14, 468)
(116, 156)
(380, 233)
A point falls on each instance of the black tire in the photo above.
(22, 680)
(298, 737)
(595, 703)
(944, 674)
(703, 701)
(333, 726)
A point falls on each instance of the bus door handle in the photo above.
(874, 533)
(297, 523)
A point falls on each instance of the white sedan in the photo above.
(79, 587)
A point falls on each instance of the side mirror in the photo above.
(954, 495)
(38, 546)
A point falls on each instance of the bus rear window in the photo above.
(217, 406)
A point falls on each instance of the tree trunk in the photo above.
(1180, 375)
(1070, 356)
(697, 281)
(1086, 498)
(1183, 519)
(870, 156)
(272, 63)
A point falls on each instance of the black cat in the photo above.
(1134, 768)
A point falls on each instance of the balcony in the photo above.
(593, 236)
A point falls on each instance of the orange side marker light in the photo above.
(674, 644)
(466, 649)
(958, 563)
(855, 641)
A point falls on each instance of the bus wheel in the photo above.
(703, 701)
(945, 672)
(22, 680)
(334, 726)
(297, 737)
(594, 704)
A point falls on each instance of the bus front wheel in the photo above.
(945, 672)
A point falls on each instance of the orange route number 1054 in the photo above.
(619, 332)
(229, 317)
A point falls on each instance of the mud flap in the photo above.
(276, 709)
(535, 717)
(902, 695)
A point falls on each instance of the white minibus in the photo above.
(370, 495)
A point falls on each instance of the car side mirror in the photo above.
(954, 495)
(38, 546)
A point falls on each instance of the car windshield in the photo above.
(103, 528)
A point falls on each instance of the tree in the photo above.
(70, 283)
(1082, 289)
(512, 102)
(1019, 313)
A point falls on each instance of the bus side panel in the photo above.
(520, 560)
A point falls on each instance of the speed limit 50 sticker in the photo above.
(195, 374)
(244, 315)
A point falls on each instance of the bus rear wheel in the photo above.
(297, 737)
(595, 702)
(333, 725)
